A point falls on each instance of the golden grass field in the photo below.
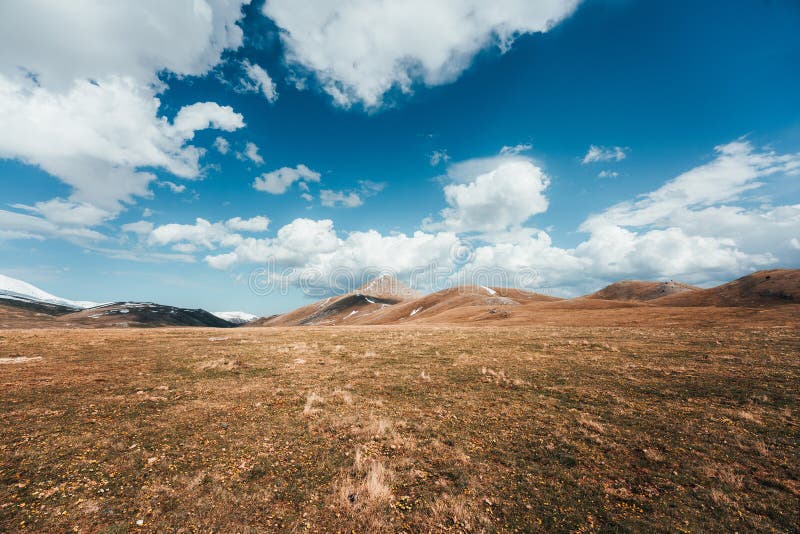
(412, 428)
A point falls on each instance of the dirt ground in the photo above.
(415, 428)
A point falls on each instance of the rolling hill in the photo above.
(762, 288)
(23, 305)
(386, 301)
(640, 290)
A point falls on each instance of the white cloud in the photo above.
(601, 153)
(688, 229)
(60, 42)
(278, 181)
(361, 49)
(222, 145)
(349, 199)
(138, 227)
(254, 224)
(251, 152)
(333, 199)
(21, 226)
(222, 261)
(175, 188)
(258, 81)
(685, 229)
(607, 174)
(439, 156)
(204, 115)
(64, 212)
(78, 86)
(736, 169)
(202, 233)
(96, 136)
(313, 252)
(515, 150)
(502, 194)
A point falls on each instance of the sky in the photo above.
(251, 155)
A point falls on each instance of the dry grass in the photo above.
(387, 429)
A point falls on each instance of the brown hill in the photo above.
(760, 289)
(349, 308)
(141, 314)
(398, 306)
(19, 314)
(640, 291)
(23, 313)
(455, 304)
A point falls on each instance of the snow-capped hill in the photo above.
(236, 317)
(16, 289)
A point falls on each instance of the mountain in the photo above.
(762, 288)
(387, 301)
(457, 304)
(11, 288)
(23, 305)
(349, 308)
(641, 291)
(142, 314)
(764, 297)
(236, 317)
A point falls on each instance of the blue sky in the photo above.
(107, 160)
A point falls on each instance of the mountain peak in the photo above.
(387, 286)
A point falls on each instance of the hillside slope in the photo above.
(371, 297)
(142, 314)
(762, 288)
(640, 290)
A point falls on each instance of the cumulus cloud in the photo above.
(601, 153)
(254, 224)
(88, 114)
(172, 186)
(138, 227)
(278, 181)
(607, 174)
(697, 227)
(332, 199)
(311, 252)
(492, 195)
(360, 49)
(60, 42)
(687, 229)
(251, 153)
(349, 199)
(96, 136)
(222, 145)
(258, 81)
(202, 233)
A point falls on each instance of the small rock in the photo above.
(139, 522)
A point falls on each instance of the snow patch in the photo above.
(414, 312)
(489, 290)
(19, 359)
(236, 317)
(17, 288)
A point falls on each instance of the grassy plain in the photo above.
(423, 428)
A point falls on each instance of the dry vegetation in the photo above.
(680, 429)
